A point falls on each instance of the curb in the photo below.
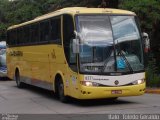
(153, 91)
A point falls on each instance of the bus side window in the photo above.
(44, 31)
(68, 36)
(26, 36)
(34, 33)
(13, 37)
(55, 30)
(18, 35)
(9, 38)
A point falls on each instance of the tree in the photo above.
(3, 20)
(148, 13)
(17, 11)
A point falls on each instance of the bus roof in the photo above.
(73, 11)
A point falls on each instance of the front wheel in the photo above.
(60, 91)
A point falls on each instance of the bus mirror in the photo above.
(144, 35)
(146, 42)
(76, 34)
(75, 46)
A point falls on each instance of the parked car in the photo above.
(3, 67)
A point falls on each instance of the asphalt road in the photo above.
(32, 100)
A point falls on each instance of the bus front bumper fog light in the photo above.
(88, 83)
(137, 82)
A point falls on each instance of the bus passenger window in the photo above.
(9, 37)
(34, 33)
(44, 31)
(55, 34)
(18, 36)
(26, 37)
(13, 37)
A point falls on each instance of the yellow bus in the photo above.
(84, 53)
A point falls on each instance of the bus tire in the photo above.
(18, 80)
(113, 99)
(60, 91)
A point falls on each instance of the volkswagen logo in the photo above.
(116, 82)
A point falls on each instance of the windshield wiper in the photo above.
(125, 59)
(128, 64)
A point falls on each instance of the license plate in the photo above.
(116, 91)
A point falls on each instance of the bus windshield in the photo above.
(109, 44)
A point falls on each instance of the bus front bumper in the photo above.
(110, 92)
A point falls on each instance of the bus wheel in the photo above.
(60, 91)
(113, 99)
(18, 80)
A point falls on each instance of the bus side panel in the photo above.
(38, 65)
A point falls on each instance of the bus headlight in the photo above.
(137, 82)
(88, 83)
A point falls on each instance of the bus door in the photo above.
(71, 58)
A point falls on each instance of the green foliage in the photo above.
(17, 11)
(3, 28)
(153, 79)
(3, 23)
(22, 11)
(147, 10)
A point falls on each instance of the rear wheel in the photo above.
(60, 91)
(18, 80)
